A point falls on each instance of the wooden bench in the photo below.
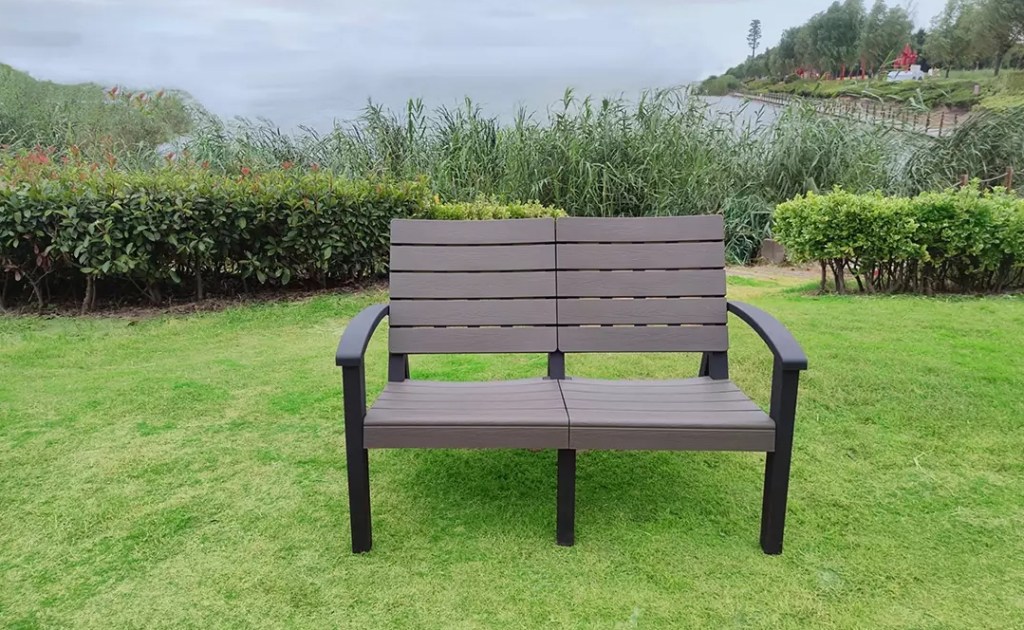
(574, 285)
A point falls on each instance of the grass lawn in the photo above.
(189, 472)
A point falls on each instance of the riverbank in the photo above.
(960, 93)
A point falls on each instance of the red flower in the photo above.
(245, 170)
(314, 167)
(286, 165)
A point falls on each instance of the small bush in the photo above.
(489, 209)
(959, 240)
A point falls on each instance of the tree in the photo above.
(886, 31)
(754, 37)
(999, 27)
(949, 42)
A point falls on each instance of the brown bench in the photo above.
(556, 287)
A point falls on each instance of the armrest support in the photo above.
(349, 357)
(357, 335)
(777, 337)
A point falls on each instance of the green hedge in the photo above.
(959, 240)
(74, 231)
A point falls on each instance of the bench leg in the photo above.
(566, 527)
(773, 505)
(776, 465)
(359, 500)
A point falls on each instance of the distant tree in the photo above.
(784, 60)
(754, 37)
(949, 42)
(997, 27)
(886, 31)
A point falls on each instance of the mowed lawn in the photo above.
(189, 472)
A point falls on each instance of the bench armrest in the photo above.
(777, 337)
(356, 337)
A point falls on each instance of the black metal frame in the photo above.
(790, 360)
(350, 355)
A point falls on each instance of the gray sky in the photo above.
(311, 61)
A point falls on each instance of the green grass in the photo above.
(189, 472)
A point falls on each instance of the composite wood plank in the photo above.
(522, 384)
(702, 382)
(643, 311)
(472, 340)
(758, 440)
(641, 230)
(693, 283)
(465, 437)
(641, 256)
(438, 417)
(653, 418)
(491, 232)
(473, 312)
(643, 339)
(484, 258)
(528, 284)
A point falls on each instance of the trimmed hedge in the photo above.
(962, 240)
(71, 231)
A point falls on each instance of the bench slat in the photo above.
(516, 284)
(484, 258)
(472, 340)
(641, 256)
(642, 311)
(694, 283)
(472, 312)
(489, 232)
(641, 230)
(643, 339)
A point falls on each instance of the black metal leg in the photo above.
(357, 459)
(773, 506)
(566, 527)
(777, 463)
(359, 500)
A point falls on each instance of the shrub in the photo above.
(490, 209)
(150, 230)
(958, 240)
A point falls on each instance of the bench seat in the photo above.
(690, 414)
(504, 414)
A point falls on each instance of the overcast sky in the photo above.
(311, 61)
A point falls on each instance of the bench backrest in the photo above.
(467, 287)
(641, 284)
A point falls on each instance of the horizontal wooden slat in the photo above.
(491, 232)
(446, 406)
(702, 383)
(477, 416)
(472, 340)
(640, 230)
(521, 384)
(740, 419)
(516, 284)
(647, 439)
(472, 312)
(641, 283)
(643, 339)
(485, 258)
(642, 311)
(465, 437)
(641, 255)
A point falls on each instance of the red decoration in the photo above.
(906, 59)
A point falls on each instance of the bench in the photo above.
(571, 285)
